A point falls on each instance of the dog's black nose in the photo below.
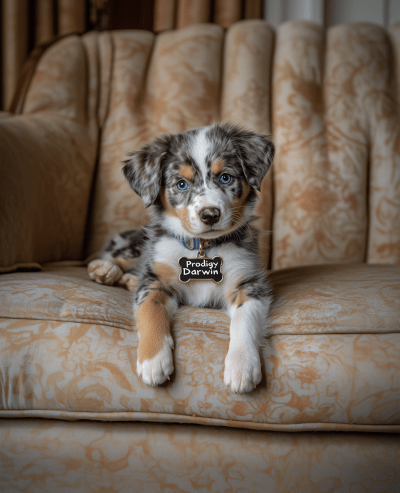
(210, 215)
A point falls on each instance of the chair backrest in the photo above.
(328, 98)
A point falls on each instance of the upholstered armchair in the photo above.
(326, 414)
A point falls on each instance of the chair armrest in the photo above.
(45, 182)
(48, 155)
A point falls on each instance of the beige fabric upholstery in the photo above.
(68, 345)
(335, 113)
(68, 351)
(48, 456)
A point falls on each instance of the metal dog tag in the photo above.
(201, 268)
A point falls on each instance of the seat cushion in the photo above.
(68, 350)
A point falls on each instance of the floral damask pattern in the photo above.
(68, 345)
(47, 456)
(331, 101)
(68, 349)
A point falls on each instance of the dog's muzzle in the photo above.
(210, 215)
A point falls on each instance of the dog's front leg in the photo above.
(154, 308)
(247, 331)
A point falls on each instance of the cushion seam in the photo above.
(206, 418)
(131, 328)
(77, 320)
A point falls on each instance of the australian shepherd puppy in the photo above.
(202, 186)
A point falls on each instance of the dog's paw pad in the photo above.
(104, 272)
(242, 370)
(158, 369)
(129, 282)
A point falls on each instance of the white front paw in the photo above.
(242, 369)
(157, 370)
(104, 272)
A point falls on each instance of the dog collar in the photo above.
(194, 243)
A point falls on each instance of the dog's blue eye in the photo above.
(225, 179)
(182, 185)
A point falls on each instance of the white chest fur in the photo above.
(237, 264)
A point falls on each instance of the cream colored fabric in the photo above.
(48, 456)
(335, 114)
(312, 300)
(68, 351)
(336, 299)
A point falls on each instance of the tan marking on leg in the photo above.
(186, 171)
(217, 166)
(123, 263)
(231, 295)
(153, 324)
(237, 296)
(164, 272)
(241, 297)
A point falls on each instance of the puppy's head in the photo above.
(201, 182)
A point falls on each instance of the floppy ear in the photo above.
(256, 153)
(144, 169)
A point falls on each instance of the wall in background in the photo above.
(26, 24)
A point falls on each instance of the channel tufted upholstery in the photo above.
(331, 211)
